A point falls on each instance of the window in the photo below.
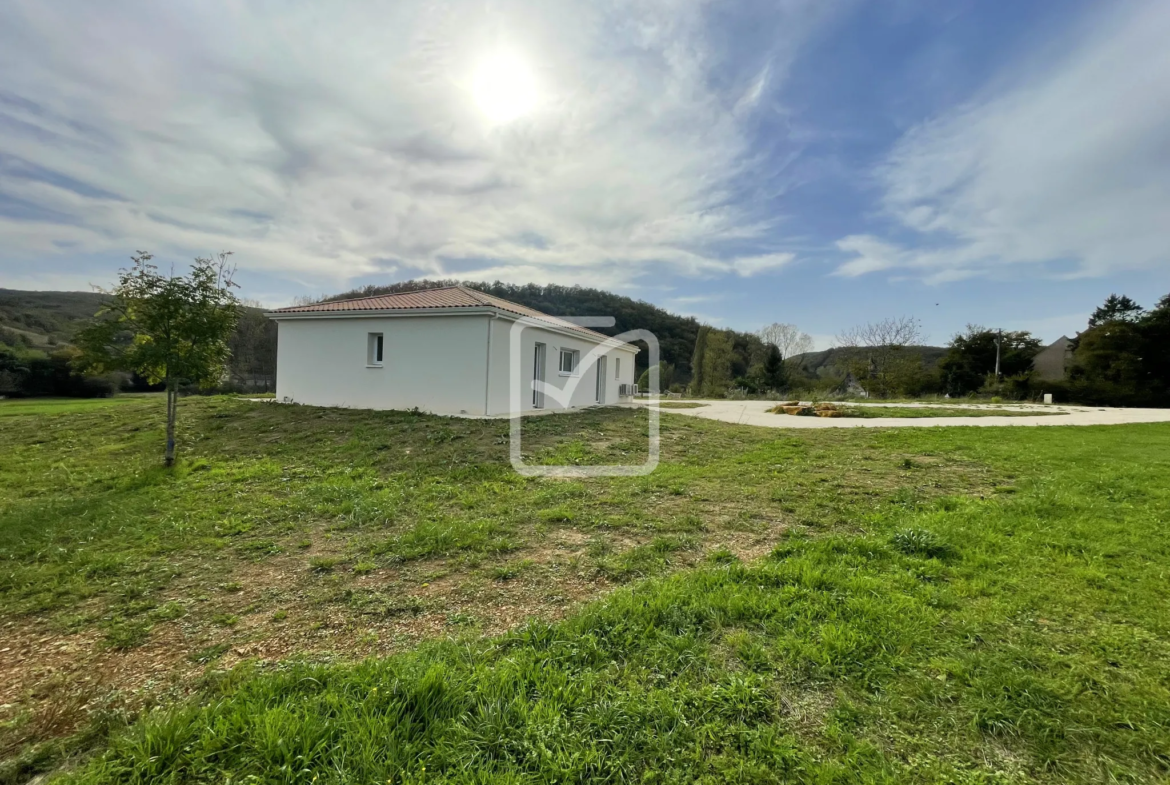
(617, 367)
(374, 350)
(569, 360)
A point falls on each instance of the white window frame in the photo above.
(375, 349)
(576, 362)
(617, 367)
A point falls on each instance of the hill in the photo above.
(39, 319)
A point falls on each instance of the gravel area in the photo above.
(756, 413)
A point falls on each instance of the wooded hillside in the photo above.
(676, 334)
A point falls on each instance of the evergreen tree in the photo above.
(697, 359)
(775, 373)
(716, 364)
(1116, 309)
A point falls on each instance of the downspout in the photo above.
(487, 373)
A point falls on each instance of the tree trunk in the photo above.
(172, 405)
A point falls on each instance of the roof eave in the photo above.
(460, 310)
(381, 312)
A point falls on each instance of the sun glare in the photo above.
(503, 88)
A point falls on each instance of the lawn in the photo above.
(871, 412)
(915, 412)
(31, 406)
(845, 605)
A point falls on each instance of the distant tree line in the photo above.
(1122, 358)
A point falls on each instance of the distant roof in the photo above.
(1052, 362)
(442, 297)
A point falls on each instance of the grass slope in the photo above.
(936, 605)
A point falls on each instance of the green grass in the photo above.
(886, 412)
(938, 411)
(853, 605)
(10, 407)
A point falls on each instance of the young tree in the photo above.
(168, 328)
(876, 354)
(787, 338)
(1116, 309)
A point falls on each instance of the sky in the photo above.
(820, 162)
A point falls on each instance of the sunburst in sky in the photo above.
(503, 87)
(821, 162)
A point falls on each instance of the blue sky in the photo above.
(808, 161)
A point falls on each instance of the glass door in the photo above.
(538, 377)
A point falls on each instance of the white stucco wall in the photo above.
(435, 363)
(585, 391)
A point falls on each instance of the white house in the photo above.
(445, 351)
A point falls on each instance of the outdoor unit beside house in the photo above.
(445, 351)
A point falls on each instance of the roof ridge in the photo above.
(475, 294)
(373, 296)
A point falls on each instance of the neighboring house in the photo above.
(446, 351)
(1052, 362)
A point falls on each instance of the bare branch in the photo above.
(787, 338)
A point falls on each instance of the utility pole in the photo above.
(998, 343)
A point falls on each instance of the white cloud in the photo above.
(748, 266)
(694, 299)
(1065, 166)
(324, 144)
(755, 91)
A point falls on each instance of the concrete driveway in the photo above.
(755, 413)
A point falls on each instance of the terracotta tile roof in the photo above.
(443, 297)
